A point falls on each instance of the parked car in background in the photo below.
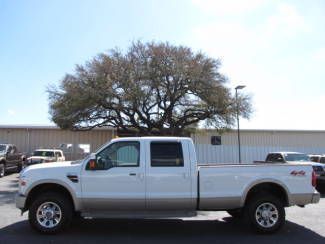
(296, 157)
(10, 159)
(315, 158)
(159, 177)
(322, 159)
(45, 156)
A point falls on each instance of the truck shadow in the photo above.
(159, 231)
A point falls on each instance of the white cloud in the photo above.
(319, 55)
(11, 112)
(286, 21)
(228, 7)
(252, 54)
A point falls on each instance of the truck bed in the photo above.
(225, 186)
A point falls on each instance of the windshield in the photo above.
(43, 153)
(2, 148)
(296, 157)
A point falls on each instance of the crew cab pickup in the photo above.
(159, 177)
(10, 159)
(45, 156)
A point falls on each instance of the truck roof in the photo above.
(163, 138)
(50, 150)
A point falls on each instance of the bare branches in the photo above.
(151, 87)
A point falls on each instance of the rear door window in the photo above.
(166, 154)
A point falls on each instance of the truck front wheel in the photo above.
(265, 213)
(2, 170)
(50, 213)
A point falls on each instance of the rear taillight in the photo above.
(313, 179)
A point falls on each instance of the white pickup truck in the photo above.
(158, 177)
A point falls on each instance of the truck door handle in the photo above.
(132, 174)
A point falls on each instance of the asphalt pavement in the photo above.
(304, 225)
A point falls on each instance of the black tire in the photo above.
(57, 199)
(2, 170)
(235, 213)
(254, 217)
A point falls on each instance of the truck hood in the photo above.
(52, 168)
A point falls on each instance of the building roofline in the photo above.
(54, 127)
(47, 127)
(262, 130)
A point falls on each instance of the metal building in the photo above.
(212, 146)
(75, 144)
(255, 144)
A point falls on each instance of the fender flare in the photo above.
(63, 184)
(261, 181)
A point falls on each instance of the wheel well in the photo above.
(3, 162)
(268, 188)
(47, 187)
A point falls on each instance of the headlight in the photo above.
(22, 181)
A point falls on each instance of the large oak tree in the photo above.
(151, 88)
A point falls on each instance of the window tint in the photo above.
(120, 154)
(2, 148)
(322, 160)
(43, 153)
(166, 154)
(58, 154)
(269, 157)
(274, 157)
(314, 158)
(296, 157)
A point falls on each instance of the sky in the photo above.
(275, 48)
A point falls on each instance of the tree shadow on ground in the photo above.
(160, 231)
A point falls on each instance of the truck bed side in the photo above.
(227, 186)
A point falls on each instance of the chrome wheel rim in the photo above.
(266, 215)
(49, 215)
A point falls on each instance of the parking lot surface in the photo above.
(304, 225)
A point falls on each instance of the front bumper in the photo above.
(20, 201)
(315, 198)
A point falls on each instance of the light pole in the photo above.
(238, 131)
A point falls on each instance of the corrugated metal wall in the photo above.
(255, 145)
(30, 138)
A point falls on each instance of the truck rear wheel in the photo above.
(265, 213)
(50, 213)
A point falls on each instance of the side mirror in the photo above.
(92, 164)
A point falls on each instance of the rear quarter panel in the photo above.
(226, 186)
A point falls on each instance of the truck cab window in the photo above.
(166, 154)
(120, 154)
